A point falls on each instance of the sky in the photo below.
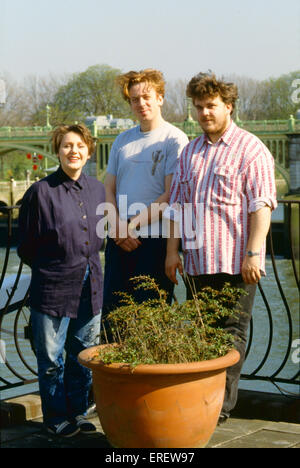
(253, 38)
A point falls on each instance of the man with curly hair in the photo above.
(224, 191)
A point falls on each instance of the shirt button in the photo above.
(86, 242)
(85, 229)
(81, 203)
(84, 217)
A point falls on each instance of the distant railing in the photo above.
(13, 132)
(189, 126)
(271, 126)
(258, 127)
(16, 351)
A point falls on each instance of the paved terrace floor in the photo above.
(259, 421)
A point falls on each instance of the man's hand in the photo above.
(259, 226)
(173, 262)
(251, 269)
(128, 244)
(124, 238)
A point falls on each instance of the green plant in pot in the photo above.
(161, 384)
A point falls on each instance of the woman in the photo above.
(57, 225)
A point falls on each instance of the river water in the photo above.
(261, 330)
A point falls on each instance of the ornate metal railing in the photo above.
(17, 360)
(287, 308)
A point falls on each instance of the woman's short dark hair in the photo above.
(205, 84)
(59, 132)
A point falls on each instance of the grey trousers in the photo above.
(238, 326)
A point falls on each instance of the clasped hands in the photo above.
(125, 236)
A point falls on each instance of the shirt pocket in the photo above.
(225, 185)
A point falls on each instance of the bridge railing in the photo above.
(271, 126)
(17, 360)
(12, 132)
(190, 126)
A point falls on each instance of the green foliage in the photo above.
(157, 333)
(92, 92)
(15, 164)
(276, 97)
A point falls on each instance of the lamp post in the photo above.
(48, 112)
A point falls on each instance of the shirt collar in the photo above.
(67, 182)
(227, 136)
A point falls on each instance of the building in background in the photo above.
(107, 121)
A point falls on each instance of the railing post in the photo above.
(294, 163)
(95, 129)
(11, 191)
(291, 124)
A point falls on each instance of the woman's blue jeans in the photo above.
(64, 383)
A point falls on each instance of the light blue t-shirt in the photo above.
(141, 160)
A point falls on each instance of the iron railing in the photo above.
(288, 309)
(17, 360)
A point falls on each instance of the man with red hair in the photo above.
(139, 174)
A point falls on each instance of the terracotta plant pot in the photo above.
(160, 405)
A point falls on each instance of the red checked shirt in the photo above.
(217, 186)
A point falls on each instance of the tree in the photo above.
(40, 92)
(92, 92)
(276, 97)
(13, 113)
(26, 103)
(249, 91)
(175, 102)
(269, 99)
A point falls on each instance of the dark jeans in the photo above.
(238, 326)
(120, 266)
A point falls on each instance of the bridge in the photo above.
(11, 193)
(282, 137)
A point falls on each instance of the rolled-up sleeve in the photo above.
(260, 182)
